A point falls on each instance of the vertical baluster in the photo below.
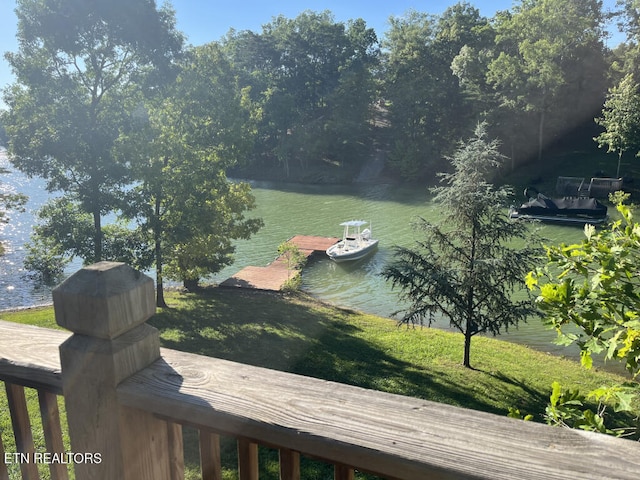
(247, 459)
(22, 430)
(4, 472)
(52, 432)
(289, 464)
(342, 472)
(176, 451)
(210, 456)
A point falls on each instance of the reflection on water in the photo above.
(16, 289)
(288, 210)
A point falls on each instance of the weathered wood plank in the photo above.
(106, 306)
(22, 430)
(343, 472)
(104, 300)
(29, 356)
(176, 450)
(52, 432)
(131, 442)
(210, 465)
(313, 243)
(289, 464)
(273, 276)
(247, 459)
(391, 435)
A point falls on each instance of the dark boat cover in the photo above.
(542, 205)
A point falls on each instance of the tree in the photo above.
(594, 286)
(313, 78)
(426, 106)
(624, 58)
(64, 232)
(470, 66)
(620, 119)
(628, 16)
(549, 62)
(182, 144)
(293, 259)
(466, 267)
(4, 139)
(589, 292)
(80, 69)
(410, 89)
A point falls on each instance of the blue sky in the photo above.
(206, 20)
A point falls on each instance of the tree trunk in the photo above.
(467, 348)
(190, 284)
(158, 228)
(513, 157)
(470, 324)
(541, 134)
(160, 302)
(97, 235)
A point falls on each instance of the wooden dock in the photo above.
(274, 275)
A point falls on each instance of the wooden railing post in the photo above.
(106, 306)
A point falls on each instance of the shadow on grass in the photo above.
(269, 330)
(532, 401)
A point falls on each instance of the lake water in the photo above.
(288, 210)
(318, 210)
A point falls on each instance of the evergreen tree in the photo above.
(466, 268)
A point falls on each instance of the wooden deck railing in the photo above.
(29, 358)
(127, 400)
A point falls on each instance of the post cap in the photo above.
(104, 300)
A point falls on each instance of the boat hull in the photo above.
(566, 210)
(339, 253)
(558, 219)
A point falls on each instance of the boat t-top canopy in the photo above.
(353, 223)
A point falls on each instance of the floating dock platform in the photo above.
(276, 274)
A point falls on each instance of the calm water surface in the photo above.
(288, 210)
(318, 210)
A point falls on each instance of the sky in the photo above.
(203, 21)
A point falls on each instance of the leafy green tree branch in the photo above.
(589, 292)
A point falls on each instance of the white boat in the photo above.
(355, 243)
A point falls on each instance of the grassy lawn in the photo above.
(298, 334)
(295, 333)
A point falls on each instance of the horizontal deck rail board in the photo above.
(383, 433)
(274, 275)
(29, 356)
(391, 435)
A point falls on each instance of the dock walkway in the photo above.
(274, 275)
